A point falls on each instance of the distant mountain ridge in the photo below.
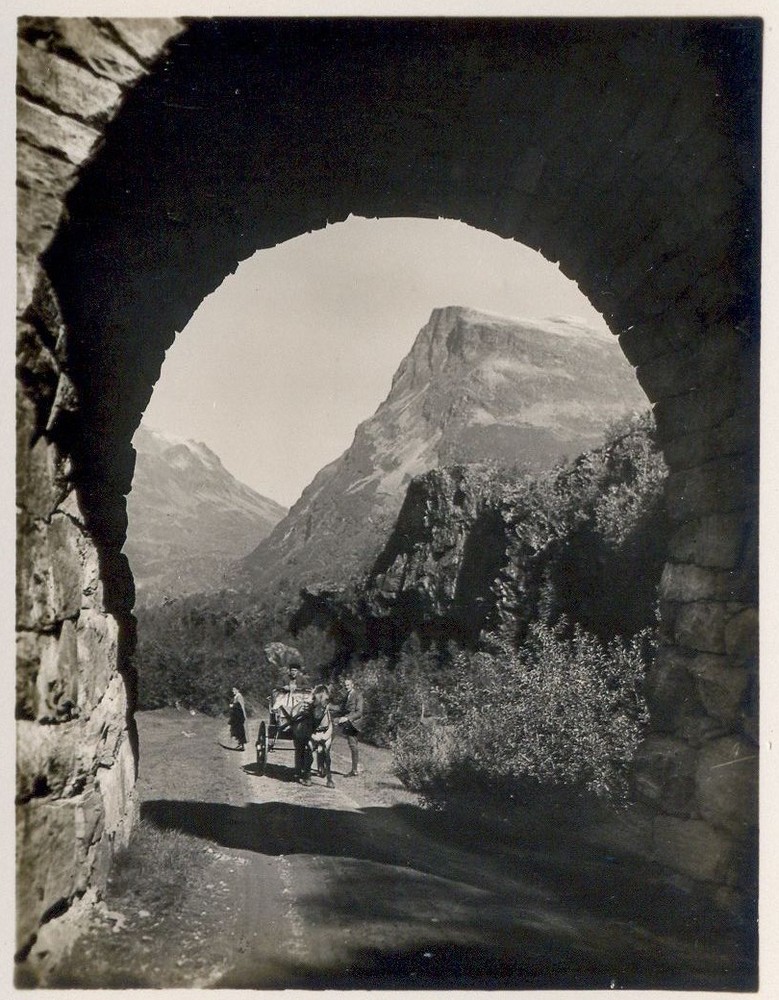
(474, 388)
(189, 518)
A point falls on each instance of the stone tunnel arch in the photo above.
(154, 156)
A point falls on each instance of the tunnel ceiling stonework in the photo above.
(154, 156)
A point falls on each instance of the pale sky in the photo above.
(279, 365)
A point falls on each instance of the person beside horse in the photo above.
(322, 736)
(351, 721)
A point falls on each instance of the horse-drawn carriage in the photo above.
(298, 719)
(285, 706)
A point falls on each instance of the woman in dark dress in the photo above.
(238, 719)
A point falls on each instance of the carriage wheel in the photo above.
(262, 748)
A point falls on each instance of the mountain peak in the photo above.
(475, 387)
(461, 332)
(149, 441)
(189, 518)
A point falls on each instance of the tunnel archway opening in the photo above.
(316, 332)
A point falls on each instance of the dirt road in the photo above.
(359, 887)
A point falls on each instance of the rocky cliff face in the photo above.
(474, 388)
(445, 554)
(189, 518)
(476, 550)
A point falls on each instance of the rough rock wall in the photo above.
(434, 576)
(446, 550)
(75, 752)
(478, 549)
(626, 151)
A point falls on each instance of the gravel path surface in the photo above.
(358, 887)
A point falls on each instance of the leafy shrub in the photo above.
(563, 710)
(400, 693)
(637, 474)
(577, 531)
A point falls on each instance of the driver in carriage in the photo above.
(290, 677)
(296, 679)
(290, 689)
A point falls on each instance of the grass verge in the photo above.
(156, 867)
(127, 942)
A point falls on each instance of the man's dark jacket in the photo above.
(353, 709)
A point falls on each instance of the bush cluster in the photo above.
(564, 709)
(578, 531)
(402, 693)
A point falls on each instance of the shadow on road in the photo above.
(275, 828)
(286, 772)
(571, 918)
(278, 772)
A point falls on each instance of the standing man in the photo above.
(352, 721)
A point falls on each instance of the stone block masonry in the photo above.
(75, 758)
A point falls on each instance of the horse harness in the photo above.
(325, 723)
